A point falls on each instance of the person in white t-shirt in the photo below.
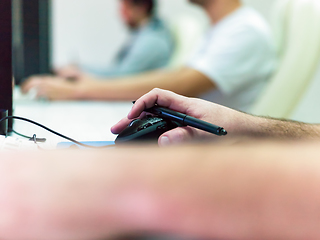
(238, 56)
(231, 66)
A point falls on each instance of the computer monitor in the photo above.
(31, 38)
(6, 57)
(24, 45)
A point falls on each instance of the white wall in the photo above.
(89, 32)
(85, 31)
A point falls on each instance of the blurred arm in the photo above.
(251, 191)
(185, 81)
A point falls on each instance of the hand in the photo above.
(70, 71)
(52, 88)
(197, 108)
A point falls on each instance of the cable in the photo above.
(41, 140)
(54, 132)
(19, 134)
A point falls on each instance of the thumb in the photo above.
(176, 136)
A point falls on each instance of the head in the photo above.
(200, 2)
(205, 3)
(133, 12)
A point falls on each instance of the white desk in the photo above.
(82, 121)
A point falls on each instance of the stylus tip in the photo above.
(223, 132)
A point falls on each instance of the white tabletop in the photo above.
(82, 121)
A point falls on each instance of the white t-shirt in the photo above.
(238, 55)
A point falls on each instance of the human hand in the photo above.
(51, 88)
(70, 71)
(197, 108)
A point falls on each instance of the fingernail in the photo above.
(164, 141)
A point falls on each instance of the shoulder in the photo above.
(252, 22)
(246, 26)
(156, 32)
(156, 26)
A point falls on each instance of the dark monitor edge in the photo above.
(6, 72)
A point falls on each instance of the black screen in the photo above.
(6, 56)
(31, 35)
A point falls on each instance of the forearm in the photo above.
(262, 191)
(62, 195)
(262, 127)
(184, 81)
(128, 88)
(267, 191)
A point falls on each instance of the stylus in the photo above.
(187, 120)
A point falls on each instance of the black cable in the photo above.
(54, 132)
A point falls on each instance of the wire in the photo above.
(41, 140)
(54, 132)
(34, 138)
(19, 134)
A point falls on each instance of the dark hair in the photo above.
(150, 5)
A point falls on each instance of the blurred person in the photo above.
(250, 190)
(230, 67)
(149, 47)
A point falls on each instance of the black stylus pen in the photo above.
(186, 120)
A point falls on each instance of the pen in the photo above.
(186, 120)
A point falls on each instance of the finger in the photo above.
(49, 89)
(33, 82)
(62, 72)
(162, 98)
(30, 84)
(120, 126)
(176, 136)
(57, 90)
(50, 78)
(42, 91)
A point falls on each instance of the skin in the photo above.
(218, 9)
(248, 190)
(134, 16)
(236, 123)
(185, 81)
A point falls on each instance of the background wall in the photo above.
(89, 32)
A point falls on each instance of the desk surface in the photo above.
(82, 121)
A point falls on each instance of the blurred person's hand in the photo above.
(50, 87)
(56, 88)
(71, 71)
(197, 108)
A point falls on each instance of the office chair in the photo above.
(297, 38)
(308, 109)
(187, 32)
